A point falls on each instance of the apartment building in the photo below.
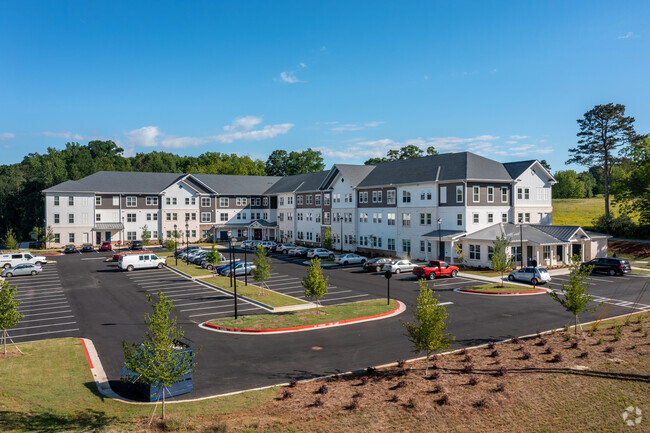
(420, 208)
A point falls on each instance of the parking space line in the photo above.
(41, 309)
(181, 295)
(43, 314)
(51, 299)
(34, 282)
(158, 283)
(47, 303)
(49, 318)
(282, 284)
(238, 309)
(205, 302)
(44, 333)
(345, 297)
(174, 288)
(211, 307)
(43, 326)
(41, 297)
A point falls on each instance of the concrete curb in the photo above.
(399, 310)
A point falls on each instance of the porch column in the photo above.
(451, 255)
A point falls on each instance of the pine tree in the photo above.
(10, 240)
(314, 283)
(575, 297)
(146, 235)
(9, 314)
(262, 271)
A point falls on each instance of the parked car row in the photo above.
(105, 246)
(9, 260)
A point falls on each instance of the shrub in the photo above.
(541, 342)
(434, 366)
(473, 381)
(401, 363)
(371, 371)
(639, 328)
(520, 348)
(401, 384)
(584, 355)
(443, 400)
(567, 337)
(645, 333)
(467, 358)
(525, 355)
(318, 402)
(628, 320)
(412, 404)
(480, 403)
(435, 375)
(364, 380)
(600, 341)
(494, 354)
(549, 350)
(557, 357)
(618, 335)
(293, 382)
(491, 345)
(632, 347)
(438, 388)
(609, 349)
(500, 387)
(567, 327)
(574, 345)
(640, 318)
(502, 371)
(286, 394)
(434, 357)
(394, 398)
(621, 226)
(323, 389)
(468, 368)
(463, 351)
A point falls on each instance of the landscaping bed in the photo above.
(251, 291)
(494, 288)
(191, 269)
(291, 319)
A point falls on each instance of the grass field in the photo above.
(191, 269)
(267, 297)
(579, 211)
(505, 289)
(332, 313)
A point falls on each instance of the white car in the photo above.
(348, 259)
(284, 248)
(398, 266)
(130, 262)
(10, 260)
(530, 275)
(267, 244)
(247, 244)
(321, 253)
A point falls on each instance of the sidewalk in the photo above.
(497, 280)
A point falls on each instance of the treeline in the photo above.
(22, 204)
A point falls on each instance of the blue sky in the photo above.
(503, 79)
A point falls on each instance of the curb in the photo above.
(530, 292)
(398, 310)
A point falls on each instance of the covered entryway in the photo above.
(108, 229)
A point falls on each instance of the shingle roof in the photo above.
(298, 182)
(230, 184)
(516, 168)
(564, 233)
(512, 231)
(354, 174)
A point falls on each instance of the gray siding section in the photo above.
(483, 194)
(384, 197)
(451, 194)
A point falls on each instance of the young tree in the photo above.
(632, 191)
(461, 257)
(146, 235)
(9, 314)
(262, 271)
(49, 236)
(37, 233)
(156, 361)
(328, 240)
(10, 240)
(603, 130)
(574, 297)
(428, 334)
(501, 261)
(214, 258)
(314, 283)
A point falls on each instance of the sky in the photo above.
(503, 79)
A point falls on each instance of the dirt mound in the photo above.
(638, 249)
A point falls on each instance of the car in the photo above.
(241, 268)
(70, 248)
(221, 267)
(298, 252)
(135, 245)
(106, 246)
(284, 248)
(347, 259)
(268, 244)
(22, 269)
(609, 265)
(321, 253)
(185, 249)
(530, 275)
(9, 260)
(142, 260)
(205, 264)
(435, 269)
(87, 248)
(376, 264)
(398, 266)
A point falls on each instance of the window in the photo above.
(299, 200)
(526, 193)
(205, 201)
(238, 201)
(71, 237)
(168, 200)
(151, 217)
(406, 246)
(425, 219)
(56, 200)
(168, 216)
(490, 218)
(547, 252)
(326, 218)
(193, 233)
(222, 217)
(406, 197)
(516, 253)
(130, 236)
(443, 195)
(504, 217)
(298, 216)
(475, 218)
(131, 201)
(265, 201)
(193, 216)
(390, 219)
(475, 252)
(174, 201)
(289, 200)
(187, 201)
(376, 196)
(98, 217)
(71, 218)
(539, 193)
(391, 244)
(56, 218)
(504, 194)
(459, 194)
(459, 219)
(376, 218)
(363, 217)
(57, 238)
(475, 196)
(238, 216)
(527, 217)
(98, 200)
(390, 196)
(71, 201)
(317, 237)
(520, 218)
(318, 217)
(309, 199)
(422, 246)
(490, 193)
(425, 194)
(153, 201)
(281, 201)
(363, 197)
(289, 216)
(130, 218)
(326, 200)
(223, 202)
(406, 219)
(317, 199)
(546, 193)
(490, 252)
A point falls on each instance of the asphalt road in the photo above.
(108, 306)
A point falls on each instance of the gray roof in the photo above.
(231, 184)
(444, 167)
(564, 233)
(516, 168)
(354, 174)
(298, 182)
(443, 233)
(595, 235)
(531, 234)
(108, 226)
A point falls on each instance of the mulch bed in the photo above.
(639, 249)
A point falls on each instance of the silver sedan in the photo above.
(24, 269)
(398, 266)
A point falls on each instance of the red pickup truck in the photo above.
(436, 268)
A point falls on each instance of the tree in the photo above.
(214, 258)
(9, 314)
(262, 271)
(428, 334)
(157, 360)
(406, 152)
(461, 257)
(281, 163)
(10, 240)
(632, 190)
(589, 181)
(568, 185)
(37, 233)
(546, 165)
(501, 261)
(146, 235)
(431, 151)
(276, 163)
(314, 283)
(49, 236)
(603, 130)
(328, 239)
(574, 296)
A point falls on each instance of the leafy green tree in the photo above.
(281, 163)
(315, 284)
(632, 190)
(428, 334)
(214, 258)
(157, 361)
(9, 314)
(589, 181)
(568, 185)
(574, 296)
(603, 130)
(10, 240)
(431, 151)
(49, 236)
(262, 271)
(37, 233)
(406, 152)
(328, 239)
(546, 165)
(276, 164)
(501, 261)
(146, 235)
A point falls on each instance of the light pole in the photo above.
(245, 269)
(388, 275)
(439, 239)
(176, 244)
(521, 240)
(341, 240)
(123, 240)
(187, 240)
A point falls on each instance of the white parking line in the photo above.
(205, 302)
(51, 312)
(41, 309)
(43, 326)
(230, 305)
(274, 284)
(44, 333)
(181, 295)
(345, 297)
(174, 288)
(94, 258)
(33, 280)
(46, 303)
(49, 318)
(41, 297)
(228, 312)
(163, 282)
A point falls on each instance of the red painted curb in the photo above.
(83, 343)
(298, 328)
(530, 292)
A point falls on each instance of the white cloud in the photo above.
(511, 142)
(147, 136)
(245, 123)
(518, 137)
(628, 35)
(352, 126)
(62, 134)
(6, 136)
(289, 77)
(302, 65)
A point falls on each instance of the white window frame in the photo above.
(459, 219)
(459, 194)
(98, 200)
(504, 194)
(443, 195)
(131, 199)
(205, 200)
(390, 196)
(475, 218)
(207, 219)
(476, 194)
(490, 194)
(224, 202)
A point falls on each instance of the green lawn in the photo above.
(640, 271)
(579, 211)
(50, 389)
(484, 273)
(269, 297)
(331, 313)
(495, 288)
(192, 270)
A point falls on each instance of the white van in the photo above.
(9, 260)
(129, 262)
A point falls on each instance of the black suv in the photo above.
(610, 265)
(136, 245)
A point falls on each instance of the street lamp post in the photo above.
(123, 240)
(341, 239)
(176, 244)
(187, 240)
(439, 239)
(245, 261)
(521, 240)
